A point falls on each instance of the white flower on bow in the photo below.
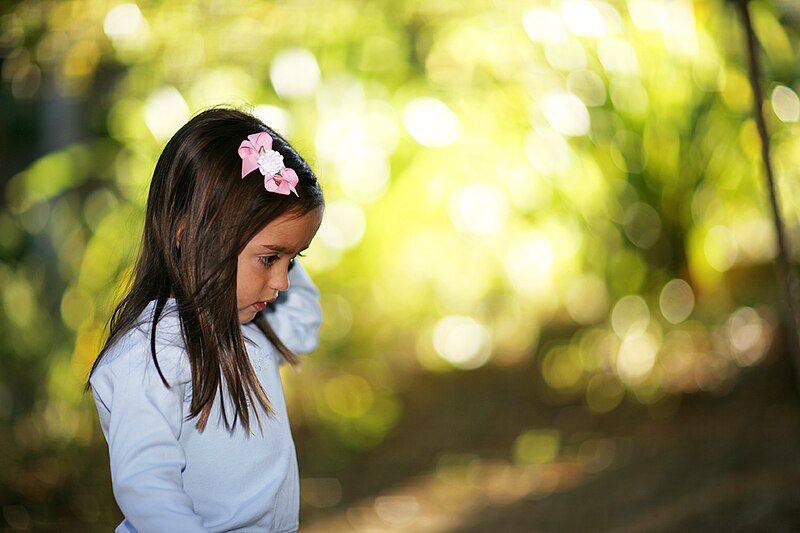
(257, 153)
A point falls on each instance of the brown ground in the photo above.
(724, 462)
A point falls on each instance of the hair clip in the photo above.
(257, 153)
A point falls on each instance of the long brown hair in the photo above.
(197, 184)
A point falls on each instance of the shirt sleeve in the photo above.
(141, 420)
(296, 315)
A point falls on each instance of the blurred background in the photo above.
(547, 261)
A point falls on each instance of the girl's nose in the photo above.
(279, 281)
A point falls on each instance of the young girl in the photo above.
(218, 301)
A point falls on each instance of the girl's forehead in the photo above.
(288, 233)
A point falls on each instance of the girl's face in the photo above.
(263, 264)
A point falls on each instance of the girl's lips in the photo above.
(261, 305)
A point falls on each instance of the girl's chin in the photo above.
(246, 316)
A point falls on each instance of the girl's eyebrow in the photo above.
(281, 249)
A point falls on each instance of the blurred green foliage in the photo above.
(570, 184)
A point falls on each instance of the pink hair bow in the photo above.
(257, 153)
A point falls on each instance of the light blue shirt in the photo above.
(168, 476)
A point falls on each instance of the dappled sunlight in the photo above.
(431, 122)
(462, 341)
(294, 73)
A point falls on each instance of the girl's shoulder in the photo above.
(132, 352)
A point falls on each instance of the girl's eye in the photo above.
(268, 260)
